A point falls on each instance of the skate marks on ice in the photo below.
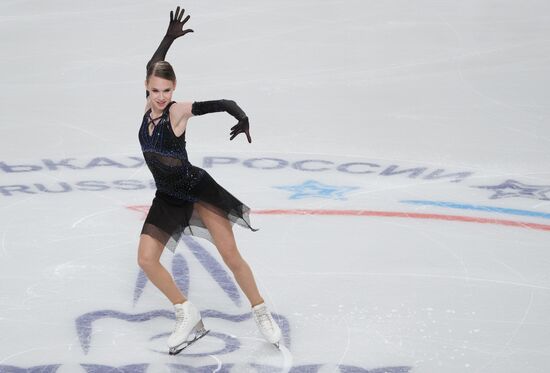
(228, 343)
(400, 183)
(183, 368)
(85, 322)
(85, 327)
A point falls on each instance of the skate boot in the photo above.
(268, 327)
(189, 327)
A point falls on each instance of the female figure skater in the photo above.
(188, 200)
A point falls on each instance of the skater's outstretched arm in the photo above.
(229, 106)
(175, 30)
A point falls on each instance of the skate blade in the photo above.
(198, 333)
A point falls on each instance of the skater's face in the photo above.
(160, 92)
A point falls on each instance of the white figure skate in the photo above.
(268, 327)
(189, 328)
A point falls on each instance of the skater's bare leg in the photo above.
(222, 233)
(189, 326)
(149, 253)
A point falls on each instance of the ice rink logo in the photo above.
(315, 189)
(180, 270)
(513, 188)
(85, 325)
(225, 368)
(97, 168)
(309, 188)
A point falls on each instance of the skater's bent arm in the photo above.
(214, 106)
(180, 112)
(229, 106)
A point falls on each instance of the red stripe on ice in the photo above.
(409, 215)
(390, 214)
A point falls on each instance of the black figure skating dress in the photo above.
(180, 186)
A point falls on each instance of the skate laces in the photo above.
(263, 317)
(181, 318)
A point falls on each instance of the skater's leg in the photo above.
(222, 233)
(149, 253)
(189, 326)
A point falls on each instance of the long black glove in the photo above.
(175, 30)
(229, 106)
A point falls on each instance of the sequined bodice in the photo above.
(162, 140)
(166, 157)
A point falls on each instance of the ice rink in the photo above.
(399, 175)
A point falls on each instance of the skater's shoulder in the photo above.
(182, 108)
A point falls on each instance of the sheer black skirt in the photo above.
(169, 218)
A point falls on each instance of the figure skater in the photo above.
(187, 199)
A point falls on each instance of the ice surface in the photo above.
(398, 174)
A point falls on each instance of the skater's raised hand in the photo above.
(175, 30)
(175, 27)
(242, 126)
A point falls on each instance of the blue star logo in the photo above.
(512, 188)
(314, 189)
